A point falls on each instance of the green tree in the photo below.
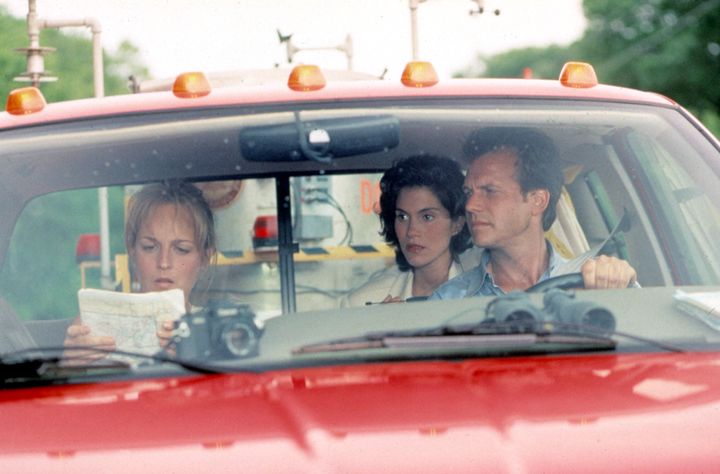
(11, 63)
(40, 277)
(543, 63)
(667, 46)
(71, 62)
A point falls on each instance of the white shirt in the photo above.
(392, 281)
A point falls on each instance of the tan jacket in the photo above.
(391, 281)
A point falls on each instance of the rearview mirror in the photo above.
(330, 138)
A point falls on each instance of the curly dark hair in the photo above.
(538, 165)
(444, 177)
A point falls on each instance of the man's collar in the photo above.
(485, 278)
(477, 283)
(554, 259)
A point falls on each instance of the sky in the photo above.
(222, 35)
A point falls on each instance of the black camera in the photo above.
(220, 331)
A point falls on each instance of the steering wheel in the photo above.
(562, 282)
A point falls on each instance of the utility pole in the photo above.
(36, 73)
(414, 4)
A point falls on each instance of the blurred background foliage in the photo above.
(667, 46)
(40, 276)
(71, 62)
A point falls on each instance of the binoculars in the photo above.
(516, 313)
(586, 315)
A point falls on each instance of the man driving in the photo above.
(512, 187)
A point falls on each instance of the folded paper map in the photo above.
(132, 319)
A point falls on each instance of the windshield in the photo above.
(233, 238)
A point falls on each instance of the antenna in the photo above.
(35, 73)
(480, 9)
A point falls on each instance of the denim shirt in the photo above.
(478, 282)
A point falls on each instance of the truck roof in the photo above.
(334, 90)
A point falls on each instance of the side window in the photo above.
(602, 193)
(695, 220)
(246, 267)
(336, 225)
(54, 250)
(668, 192)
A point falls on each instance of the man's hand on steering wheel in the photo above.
(598, 273)
(605, 271)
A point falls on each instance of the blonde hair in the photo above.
(178, 193)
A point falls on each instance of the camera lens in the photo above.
(239, 339)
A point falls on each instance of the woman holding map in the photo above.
(170, 239)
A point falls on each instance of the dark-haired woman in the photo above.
(423, 216)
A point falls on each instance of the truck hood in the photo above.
(649, 412)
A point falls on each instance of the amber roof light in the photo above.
(419, 74)
(190, 85)
(579, 75)
(306, 77)
(26, 100)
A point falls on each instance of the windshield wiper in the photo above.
(59, 363)
(456, 340)
(485, 335)
(512, 322)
